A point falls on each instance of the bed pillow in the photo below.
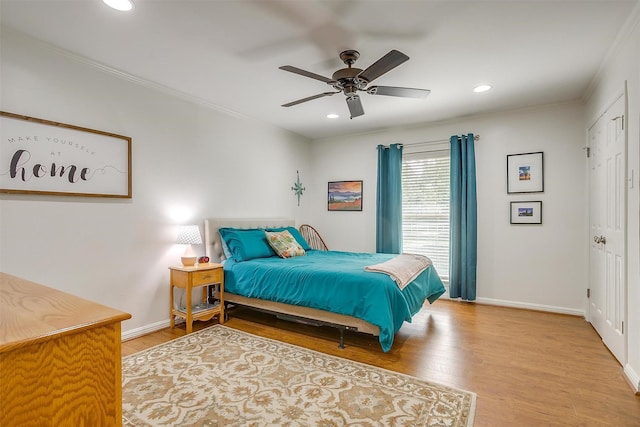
(246, 244)
(284, 244)
(225, 248)
(296, 234)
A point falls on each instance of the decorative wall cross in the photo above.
(298, 188)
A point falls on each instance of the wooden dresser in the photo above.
(60, 358)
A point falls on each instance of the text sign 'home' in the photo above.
(44, 157)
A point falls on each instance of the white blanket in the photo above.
(403, 269)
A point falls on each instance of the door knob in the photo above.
(600, 239)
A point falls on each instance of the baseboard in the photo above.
(144, 330)
(529, 306)
(633, 378)
(517, 304)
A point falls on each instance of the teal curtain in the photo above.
(463, 247)
(389, 200)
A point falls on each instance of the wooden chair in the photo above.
(312, 236)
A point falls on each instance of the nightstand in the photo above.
(200, 275)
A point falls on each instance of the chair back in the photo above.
(312, 237)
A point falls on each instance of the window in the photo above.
(425, 207)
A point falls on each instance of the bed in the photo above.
(303, 288)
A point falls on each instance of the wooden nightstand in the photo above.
(188, 278)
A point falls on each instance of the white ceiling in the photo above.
(227, 52)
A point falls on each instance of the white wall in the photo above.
(537, 266)
(624, 66)
(188, 161)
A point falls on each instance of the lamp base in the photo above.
(188, 261)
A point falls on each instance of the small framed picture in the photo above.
(344, 196)
(526, 212)
(525, 173)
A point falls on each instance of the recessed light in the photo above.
(122, 5)
(482, 88)
(332, 116)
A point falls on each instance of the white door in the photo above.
(607, 256)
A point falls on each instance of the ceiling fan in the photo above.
(350, 80)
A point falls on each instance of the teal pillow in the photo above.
(225, 248)
(296, 234)
(246, 244)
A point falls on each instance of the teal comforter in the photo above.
(336, 282)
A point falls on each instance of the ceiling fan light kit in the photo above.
(350, 80)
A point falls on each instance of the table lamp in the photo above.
(189, 235)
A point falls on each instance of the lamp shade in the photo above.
(189, 235)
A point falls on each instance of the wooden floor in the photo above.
(528, 368)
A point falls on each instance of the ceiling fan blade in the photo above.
(306, 73)
(405, 92)
(300, 101)
(387, 63)
(355, 106)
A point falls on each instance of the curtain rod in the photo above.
(475, 138)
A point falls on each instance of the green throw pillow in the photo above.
(284, 244)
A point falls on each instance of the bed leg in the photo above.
(341, 345)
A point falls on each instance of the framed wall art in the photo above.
(43, 157)
(525, 173)
(529, 212)
(344, 196)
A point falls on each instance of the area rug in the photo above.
(223, 377)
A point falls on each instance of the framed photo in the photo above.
(526, 212)
(43, 157)
(344, 196)
(525, 173)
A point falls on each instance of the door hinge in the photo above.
(588, 293)
(622, 328)
(621, 120)
(588, 151)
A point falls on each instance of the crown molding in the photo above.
(631, 24)
(141, 81)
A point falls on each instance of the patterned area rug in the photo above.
(223, 377)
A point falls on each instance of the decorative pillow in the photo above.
(246, 244)
(296, 234)
(284, 243)
(225, 248)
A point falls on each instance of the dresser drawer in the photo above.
(207, 276)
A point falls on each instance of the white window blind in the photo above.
(425, 207)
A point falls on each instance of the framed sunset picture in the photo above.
(344, 196)
(529, 212)
(525, 173)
